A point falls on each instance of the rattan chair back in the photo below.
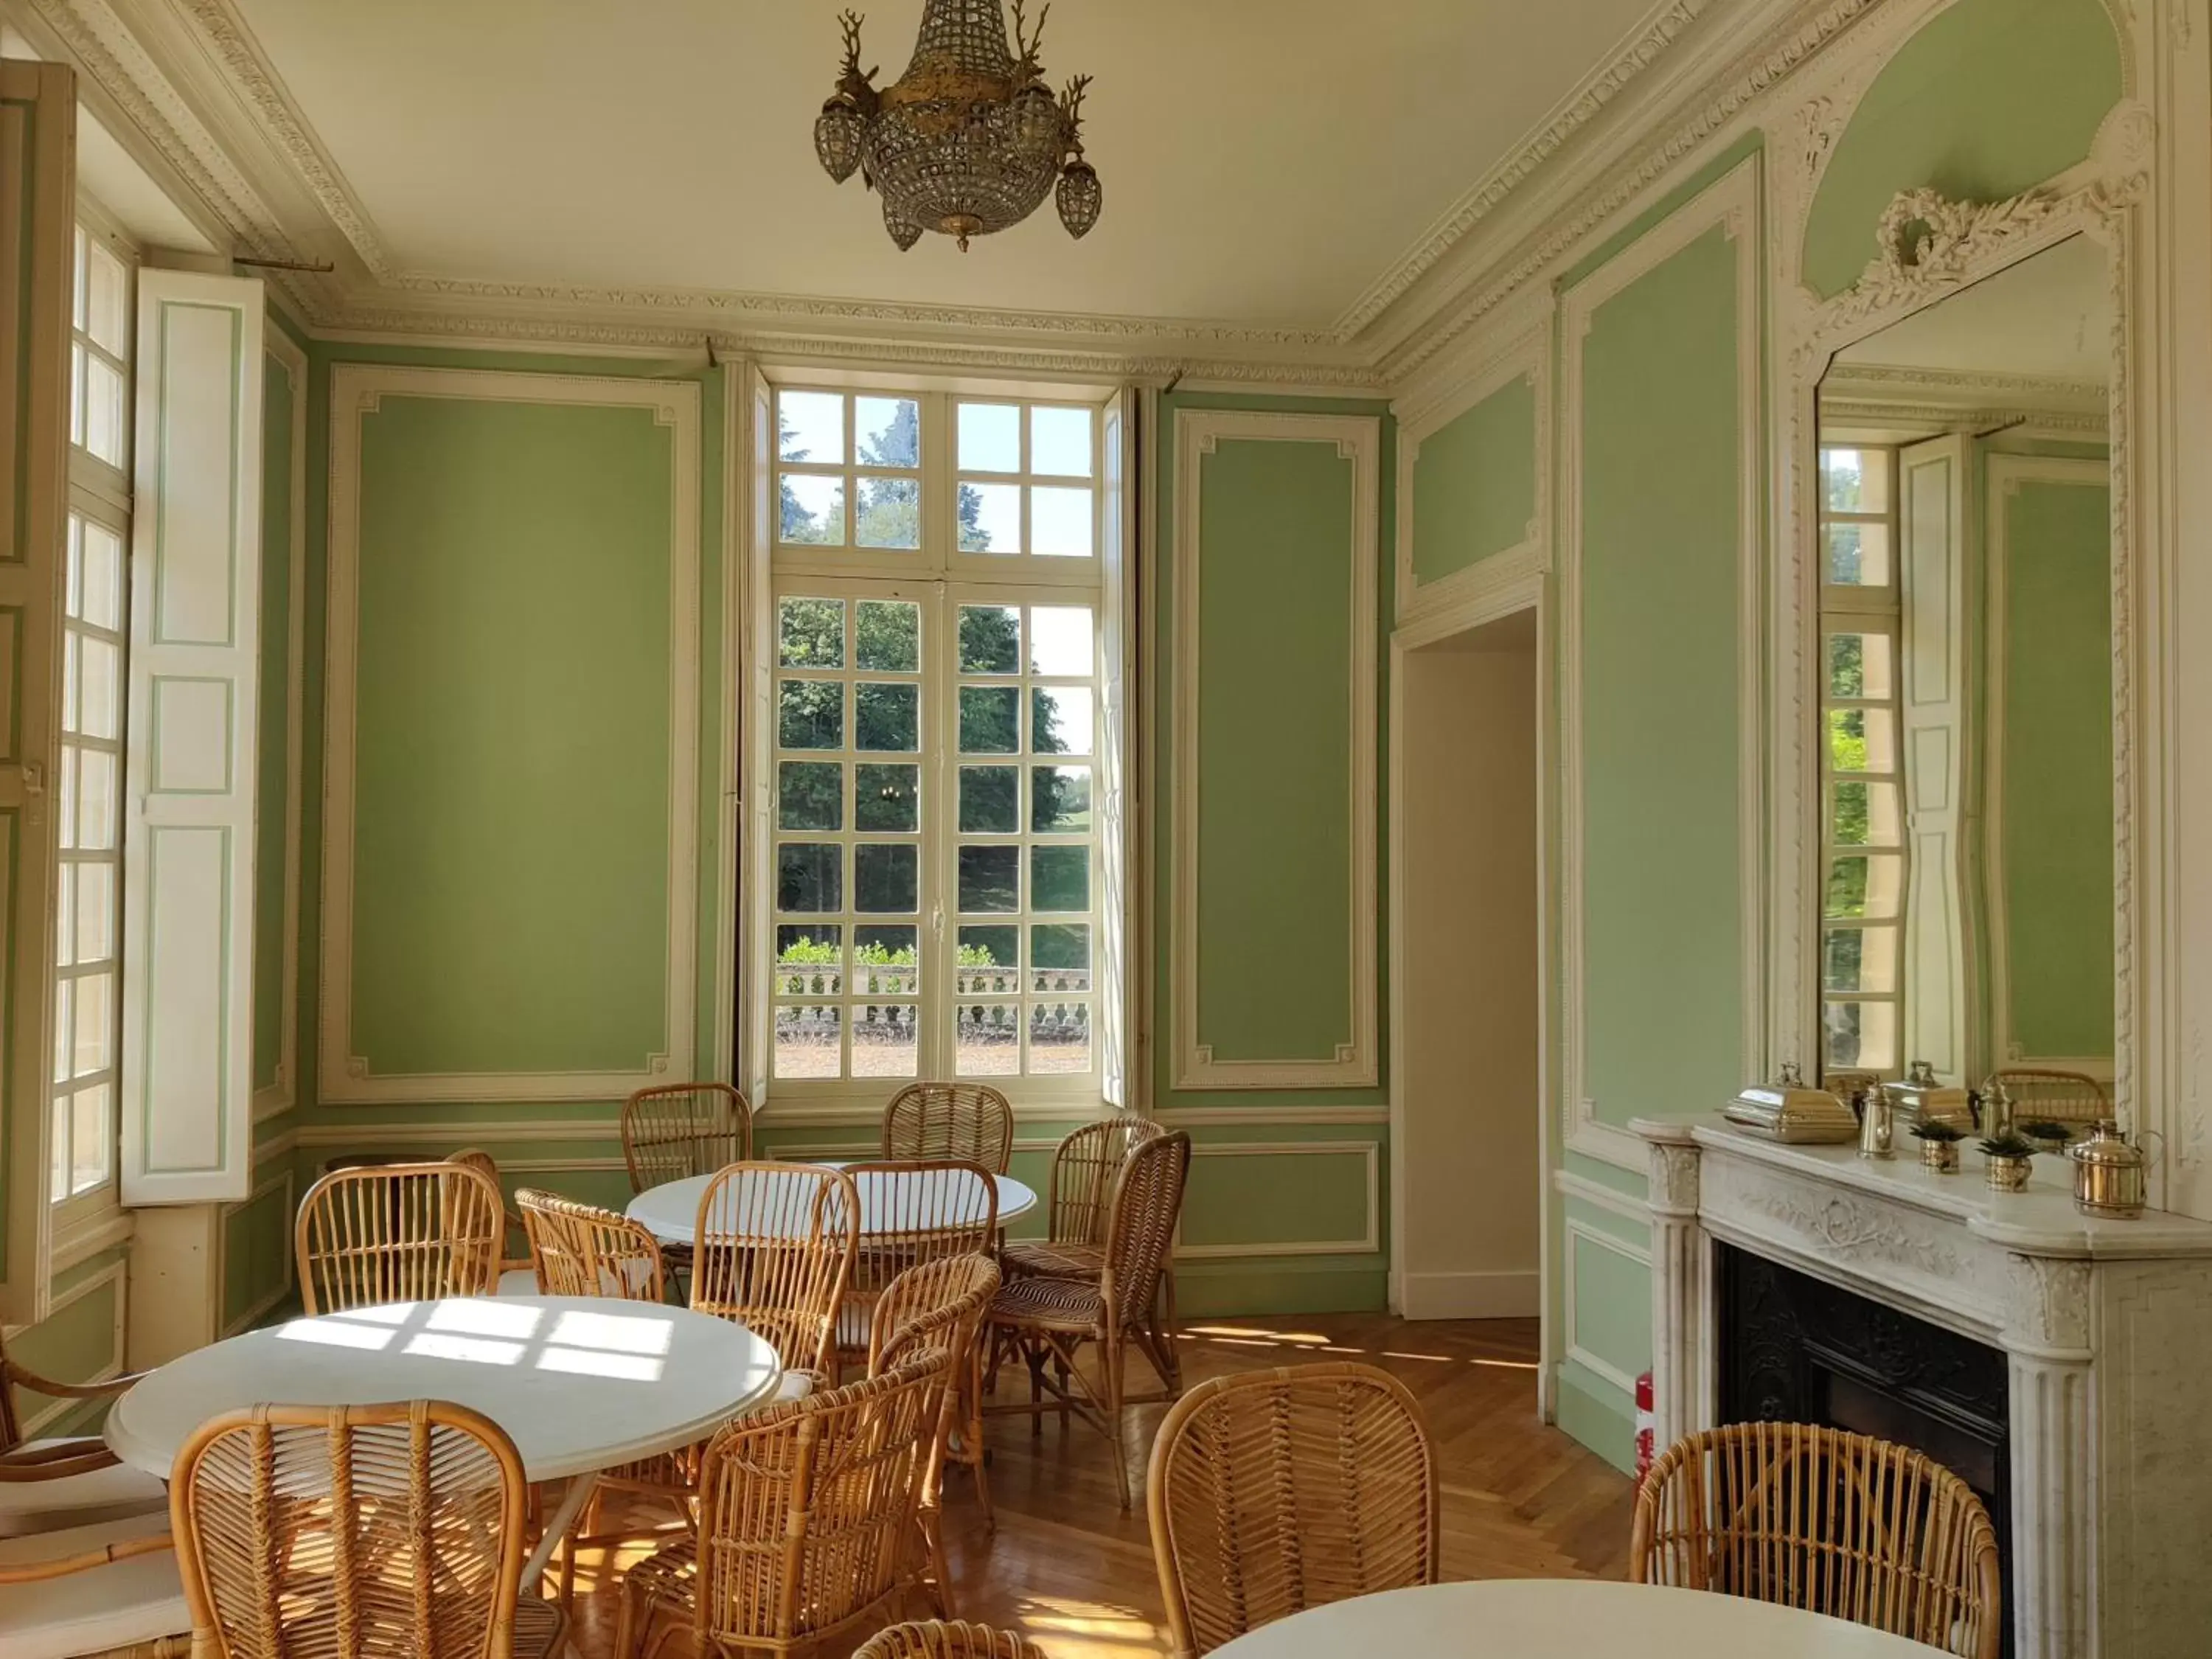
(927, 1210)
(1084, 1168)
(936, 1639)
(1832, 1522)
(1278, 1490)
(331, 1531)
(971, 1121)
(774, 1250)
(1141, 1224)
(675, 1131)
(807, 1510)
(397, 1232)
(580, 1249)
(2039, 1094)
(937, 1304)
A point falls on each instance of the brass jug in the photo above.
(2112, 1174)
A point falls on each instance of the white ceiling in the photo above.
(1264, 161)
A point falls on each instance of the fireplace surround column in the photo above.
(1682, 1371)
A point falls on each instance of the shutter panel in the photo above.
(1118, 975)
(38, 138)
(188, 845)
(756, 785)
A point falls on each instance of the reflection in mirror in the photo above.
(1965, 692)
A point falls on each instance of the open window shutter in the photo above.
(1118, 976)
(189, 759)
(38, 137)
(756, 874)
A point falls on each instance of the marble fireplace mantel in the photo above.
(2106, 1325)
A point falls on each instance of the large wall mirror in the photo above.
(1964, 703)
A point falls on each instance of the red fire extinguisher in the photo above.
(1646, 1424)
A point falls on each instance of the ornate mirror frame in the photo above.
(1927, 248)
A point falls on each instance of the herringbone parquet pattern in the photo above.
(1068, 1569)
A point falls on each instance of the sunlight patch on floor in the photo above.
(1071, 1629)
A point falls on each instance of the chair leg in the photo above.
(977, 1454)
(1109, 1362)
(1034, 1354)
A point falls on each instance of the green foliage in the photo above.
(1935, 1129)
(2012, 1144)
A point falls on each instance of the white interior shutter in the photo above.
(188, 843)
(1118, 975)
(756, 714)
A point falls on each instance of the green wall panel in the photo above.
(1257, 1200)
(511, 899)
(1274, 977)
(1661, 501)
(1599, 1415)
(255, 1238)
(271, 780)
(1474, 484)
(1988, 99)
(2056, 810)
(75, 1342)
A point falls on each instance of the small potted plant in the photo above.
(2011, 1155)
(2048, 1133)
(1939, 1145)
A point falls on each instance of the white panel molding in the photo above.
(283, 1094)
(1732, 203)
(1358, 439)
(100, 1231)
(2002, 475)
(1524, 355)
(280, 1179)
(1368, 1243)
(735, 555)
(1579, 1234)
(1237, 1117)
(1598, 1196)
(116, 1274)
(345, 1076)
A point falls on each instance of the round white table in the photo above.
(890, 1201)
(1562, 1619)
(580, 1383)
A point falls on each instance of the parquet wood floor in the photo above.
(1068, 1569)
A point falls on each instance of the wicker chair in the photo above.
(1279, 1490)
(775, 1251)
(580, 1250)
(945, 1207)
(971, 1121)
(398, 1232)
(1832, 1522)
(2074, 1098)
(77, 1481)
(1054, 1318)
(311, 1530)
(934, 1639)
(517, 1273)
(678, 1130)
(806, 1523)
(108, 1591)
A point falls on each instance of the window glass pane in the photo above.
(811, 425)
(888, 514)
(987, 1036)
(1859, 665)
(1060, 879)
(1059, 523)
(1059, 799)
(95, 912)
(1059, 1037)
(1060, 720)
(807, 1041)
(72, 649)
(990, 880)
(78, 357)
(1857, 554)
(65, 924)
(887, 718)
(95, 1025)
(990, 719)
(886, 961)
(1861, 740)
(80, 275)
(1865, 815)
(887, 879)
(65, 808)
(1855, 480)
(809, 961)
(96, 800)
(812, 714)
(990, 438)
(100, 593)
(63, 1029)
(1060, 956)
(1864, 885)
(1060, 441)
(99, 710)
(91, 1134)
(887, 798)
(989, 964)
(58, 1175)
(990, 518)
(886, 1040)
(105, 312)
(990, 639)
(889, 431)
(887, 637)
(811, 633)
(1862, 1036)
(1859, 959)
(810, 795)
(103, 411)
(1060, 640)
(990, 801)
(813, 510)
(809, 877)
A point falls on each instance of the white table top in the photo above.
(1541, 1618)
(580, 1383)
(670, 1211)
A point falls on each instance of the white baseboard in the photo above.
(1471, 1296)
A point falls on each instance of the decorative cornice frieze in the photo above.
(1651, 36)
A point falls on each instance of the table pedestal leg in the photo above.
(557, 1528)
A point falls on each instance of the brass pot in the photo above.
(1941, 1156)
(2112, 1174)
(2008, 1174)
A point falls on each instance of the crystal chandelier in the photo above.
(969, 138)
